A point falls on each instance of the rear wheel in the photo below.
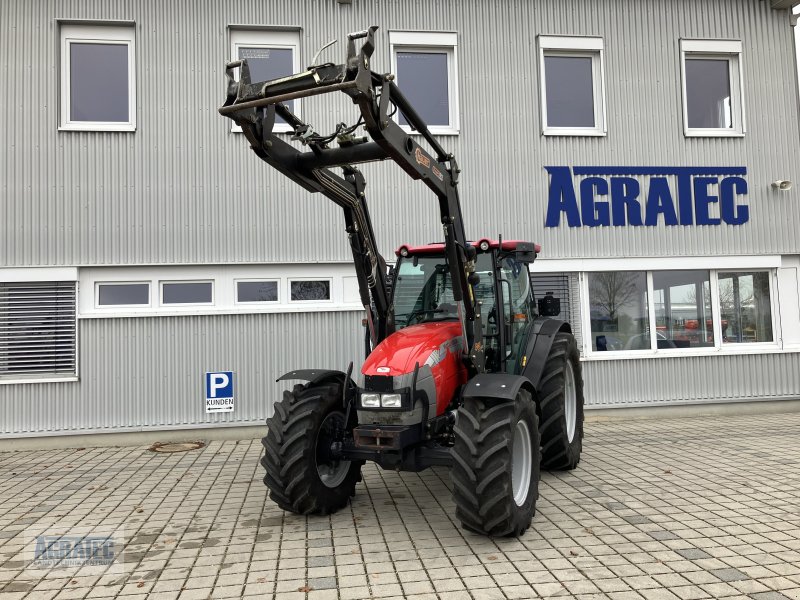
(495, 470)
(303, 475)
(561, 403)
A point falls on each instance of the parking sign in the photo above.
(219, 392)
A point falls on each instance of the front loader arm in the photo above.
(254, 106)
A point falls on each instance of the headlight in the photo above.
(371, 400)
(391, 401)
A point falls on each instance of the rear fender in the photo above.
(539, 344)
(497, 387)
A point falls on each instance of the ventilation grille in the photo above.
(37, 329)
(558, 283)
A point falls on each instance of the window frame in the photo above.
(730, 50)
(773, 307)
(430, 41)
(581, 47)
(719, 346)
(274, 280)
(99, 306)
(163, 304)
(290, 280)
(102, 32)
(267, 37)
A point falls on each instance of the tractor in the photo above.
(463, 370)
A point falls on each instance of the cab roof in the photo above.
(438, 247)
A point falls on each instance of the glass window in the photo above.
(745, 310)
(256, 291)
(310, 290)
(619, 311)
(712, 94)
(683, 309)
(708, 93)
(425, 85)
(423, 291)
(572, 86)
(570, 91)
(187, 292)
(425, 66)
(266, 64)
(97, 78)
(120, 294)
(270, 54)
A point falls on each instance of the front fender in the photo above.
(314, 375)
(497, 386)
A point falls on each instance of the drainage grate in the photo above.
(176, 446)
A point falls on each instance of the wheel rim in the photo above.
(570, 401)
(521, 463)
(331, 472)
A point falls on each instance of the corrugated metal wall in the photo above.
(183, 189)
(150, 372)
(145, 373)
(691, 380)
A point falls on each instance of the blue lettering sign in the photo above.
(675, 196)
(624, 194)
(594, 213)
(562, 198)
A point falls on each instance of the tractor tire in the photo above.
(495, 469)
(301, 475)
(561, 406)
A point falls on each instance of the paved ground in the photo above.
(681, 508)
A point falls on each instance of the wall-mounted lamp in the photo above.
(783, 185)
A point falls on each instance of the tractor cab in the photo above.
(422, 292)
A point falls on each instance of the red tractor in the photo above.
(461, 371)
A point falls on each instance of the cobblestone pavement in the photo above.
(680, 508)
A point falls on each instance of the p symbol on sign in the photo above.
(219, 381)
(219, 385)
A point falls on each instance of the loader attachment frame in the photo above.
(254, 107)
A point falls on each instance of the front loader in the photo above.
(461, 371)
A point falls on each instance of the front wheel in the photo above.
(302, 474)
(495, 470)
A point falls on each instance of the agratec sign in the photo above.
(605, 196)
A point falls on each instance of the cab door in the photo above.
(518, 314)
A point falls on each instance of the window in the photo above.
(683, 309)
(270, 54)
(123, 294)
(572, 88)
(37, 330)
(618, 311)
(187, 292)
(98, 78)
(745, 311)
(673, 310)
(712, 88)
(310, 290)
(424, 63)
(256, 291)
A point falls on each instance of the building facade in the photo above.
(649, 147)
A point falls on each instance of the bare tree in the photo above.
(612, 290)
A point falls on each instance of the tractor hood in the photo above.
(425, 343)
